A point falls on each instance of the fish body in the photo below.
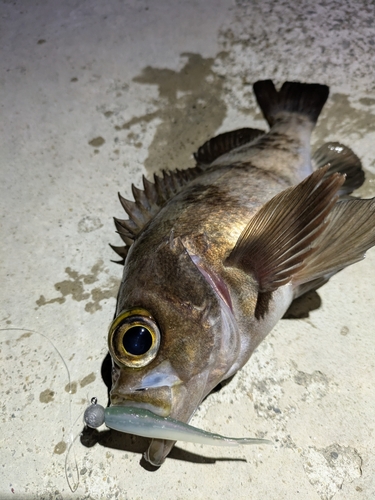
(215, 255)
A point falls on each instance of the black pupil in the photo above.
(137, 340)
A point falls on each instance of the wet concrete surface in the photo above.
(95, 94)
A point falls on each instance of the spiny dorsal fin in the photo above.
(224, 143)
(148, 202)
(278, 239)
(121, 251)
(306, 99)
(340, 158)
(350, 232)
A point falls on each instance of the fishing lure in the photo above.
(141, 422)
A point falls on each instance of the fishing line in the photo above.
(73, 486)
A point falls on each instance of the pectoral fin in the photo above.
(280, 237)
(349, 233)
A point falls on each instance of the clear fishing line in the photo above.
(70, 472)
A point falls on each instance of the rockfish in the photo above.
(215, 254)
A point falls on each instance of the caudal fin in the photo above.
(306, 99)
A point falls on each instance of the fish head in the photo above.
(170, 341)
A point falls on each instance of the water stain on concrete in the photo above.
(71, 388)
(73, 286)
(344, 331)
(190, 106)
(100, 294)
(97, 142)
(367, 101)
(88, 379)
(42, 301)
(89, 223)
(76, 287)
(60, 448)
(340, 117)
(46, 396)
(24, 336)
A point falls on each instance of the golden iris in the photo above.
(134, 338)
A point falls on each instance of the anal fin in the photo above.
(340, 158)
(310, 286)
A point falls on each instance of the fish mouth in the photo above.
(161, 412)
(160, 401)
(157, 400)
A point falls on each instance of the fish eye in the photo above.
(137, 340)
(133, 338)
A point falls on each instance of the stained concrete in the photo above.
(95, 94)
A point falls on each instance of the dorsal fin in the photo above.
(148, 202)
(224, 143)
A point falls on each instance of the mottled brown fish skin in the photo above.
(216, 255)
(219, 206)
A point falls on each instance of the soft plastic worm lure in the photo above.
(145, 423)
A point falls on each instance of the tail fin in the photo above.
(304, 98)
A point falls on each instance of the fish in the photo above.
(214, 255)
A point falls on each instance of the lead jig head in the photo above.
(94, 414)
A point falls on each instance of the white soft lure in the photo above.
(141, 422)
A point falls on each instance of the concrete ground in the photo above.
(95, 94)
